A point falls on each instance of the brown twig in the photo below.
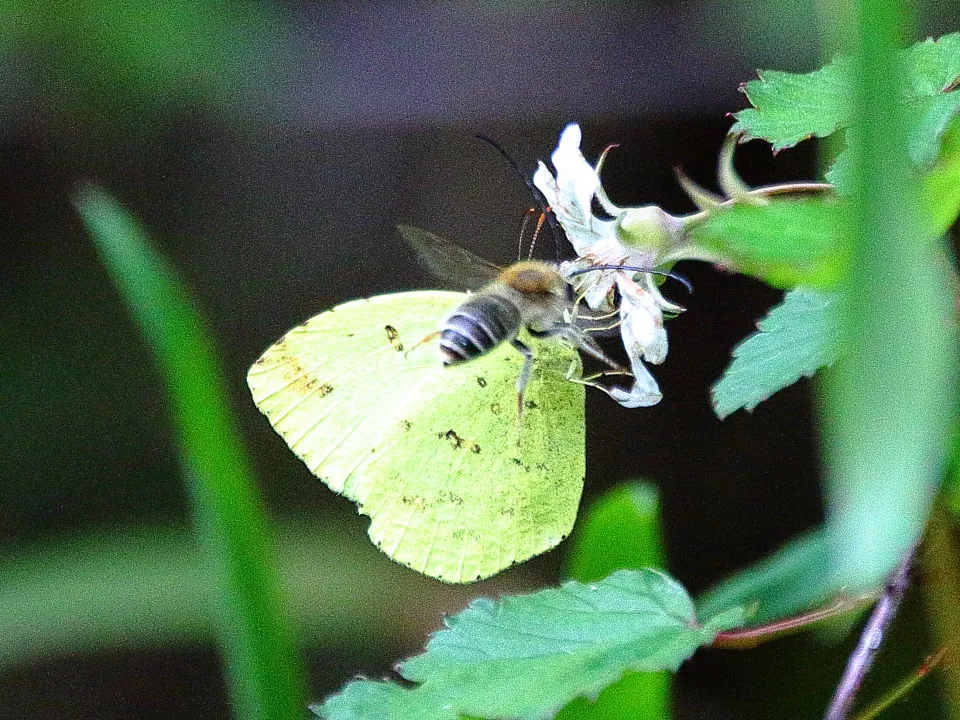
(871, 639)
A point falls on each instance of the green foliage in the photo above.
(941, 186)
(258, 650)
(890, 396)
(789, 108)
(111, 56)
(149, 586)
(789, 242)
(785, 242)
(372, 700)
(796, 338)
(527, 656)
(790, 580)
(621, 529)
(875, 287)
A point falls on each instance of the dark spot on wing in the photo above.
(475, 448)
(455, 440)
(482, 381)
(530, 405)
(417, 501)
(495, 408)
(393, 337)
(325, 389)
(304, 385)
(449, 497)
(405, 424)
(517, 461)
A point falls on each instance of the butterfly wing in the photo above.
(456, 266)
(457, 486)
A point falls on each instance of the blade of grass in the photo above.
(148, 586)
(887, 404)
(940, 565)
(900, 690)
(262, 665)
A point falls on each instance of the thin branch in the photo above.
(870, 640)
(750, 637)
(902, 688)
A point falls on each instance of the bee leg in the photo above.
(524, 372)
(580, 340)
(591, 380)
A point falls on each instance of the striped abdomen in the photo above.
(481, 323)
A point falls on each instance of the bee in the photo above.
(529, 294)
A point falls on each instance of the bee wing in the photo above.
(449, 262)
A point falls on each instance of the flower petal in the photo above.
(643, 393)
(641, 324)
(571, 192)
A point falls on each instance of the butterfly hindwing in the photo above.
(457, 486)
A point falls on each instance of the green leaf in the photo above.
(941, 186)
(794, 340)
(373, 700)
(789, 107)
(635, 695)
(791, 580)
(621, 530)
(785, 242)
(527, 656)
(951, 483)
(123, 590)
(265, 674)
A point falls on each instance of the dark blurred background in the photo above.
(271, 148)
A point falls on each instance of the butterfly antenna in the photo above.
(538, 199)
(674, 276)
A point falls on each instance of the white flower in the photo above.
(644, 237)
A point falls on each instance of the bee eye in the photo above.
(596, 209)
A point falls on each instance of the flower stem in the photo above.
(861, 659)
